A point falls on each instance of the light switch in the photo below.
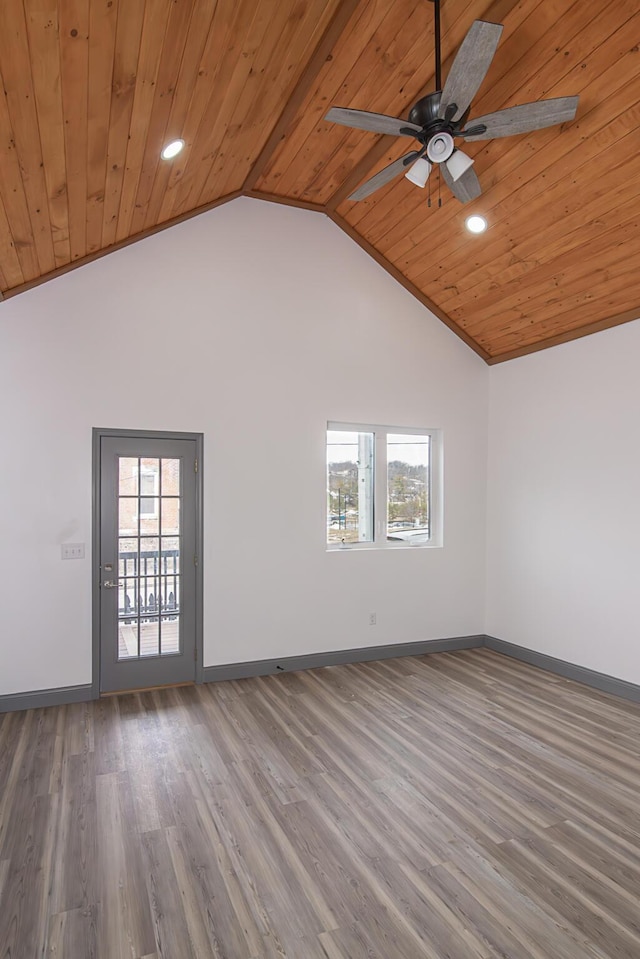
(72, 550)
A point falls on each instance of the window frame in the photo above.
(435, 483)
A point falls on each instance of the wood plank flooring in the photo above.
(452, 806)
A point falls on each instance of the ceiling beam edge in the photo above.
(496, 9)
(286, 201)
(596, 327)
(407, 284)
(343, 13)
(90, 257)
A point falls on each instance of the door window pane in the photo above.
(170, 559)
(171, 594)
(149, 520)
(150, 637)
(170, 636)
(350, 458)
(170, 520)
(128, 639)
(148, 479)
(149, 482)
(128, 516)
(149, 546)
(170, 472)
(128, 592)
(128, 468)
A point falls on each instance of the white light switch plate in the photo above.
(72, 550)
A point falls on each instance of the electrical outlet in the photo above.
(372, 619)
(72, 550)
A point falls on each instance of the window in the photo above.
(350, 466)
(383, 486)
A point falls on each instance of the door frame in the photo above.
(97, 434)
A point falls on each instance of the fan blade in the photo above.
(523, 119)
(469, 68)
(375, 122)
(465, 188)
(384, 176)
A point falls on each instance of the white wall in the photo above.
(564, 502)
(268, 322)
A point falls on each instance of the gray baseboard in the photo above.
(590, 677)
(337, 657)
(267, 667)
(45, 697)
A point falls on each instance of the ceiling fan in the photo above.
(437, 119)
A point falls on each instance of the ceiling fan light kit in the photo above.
(419, 172)
(440, 147)
(458, 164)
(437, 119)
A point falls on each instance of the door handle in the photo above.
(109, 584)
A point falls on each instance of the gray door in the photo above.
(147, 557)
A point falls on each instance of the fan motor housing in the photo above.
(425, 111)
(424, 114)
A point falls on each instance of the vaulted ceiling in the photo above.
(93, 89)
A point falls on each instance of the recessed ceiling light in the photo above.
(475, 224)
(172, 149)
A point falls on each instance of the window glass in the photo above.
(149, 483)
(350, 462)
(408, 487)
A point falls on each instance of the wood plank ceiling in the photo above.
(93, 89)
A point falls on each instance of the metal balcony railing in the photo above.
(150, 585)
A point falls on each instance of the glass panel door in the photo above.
(147, 587)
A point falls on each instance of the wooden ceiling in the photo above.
(93, 89)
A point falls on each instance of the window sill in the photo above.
(359, 547)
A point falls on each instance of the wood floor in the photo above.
(452, 806)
